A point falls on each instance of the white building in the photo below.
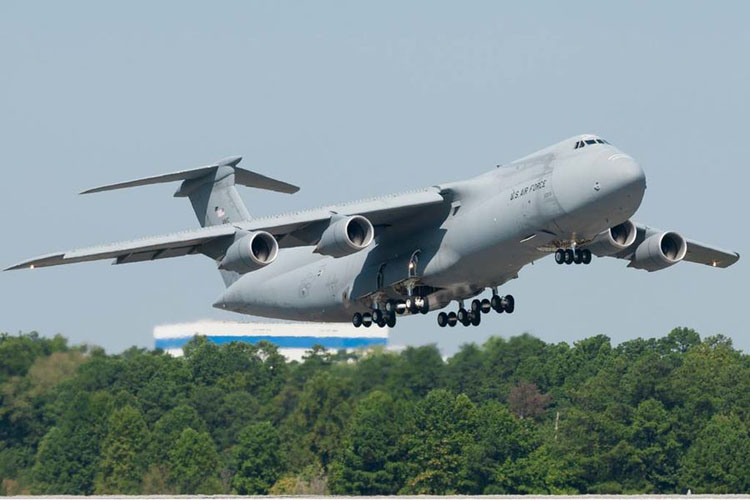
(293, 339)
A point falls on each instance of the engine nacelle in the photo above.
(346, 236)
(251, 252)
(614, 239)
(659, 251)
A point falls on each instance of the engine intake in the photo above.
(346, 236)
(659, 251)
(251, 252)
(614, 239)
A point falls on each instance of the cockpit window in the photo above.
(580, 144)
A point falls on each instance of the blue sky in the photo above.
(351, 100)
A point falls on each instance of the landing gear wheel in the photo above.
(425, 307)
(411, 305)
(486, 306)
(586, 256)
(497, 303)
(377, 316)
(452, 319)
(442, 319)
(560, 256)
(462, 316)
(577, 256)
(390, 307)
(509, 304)
(390, 320)
(357, 320)
(366, 320)
(476, 306)
(381, 323)
(569, 256)
(475, 319)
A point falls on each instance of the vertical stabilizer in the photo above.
(214, 196)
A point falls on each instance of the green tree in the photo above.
(68, 456)
(718, 462)
(444, 428)
(168, 429)
(123, 461)
(257, 459)
(370, 462)
(194, 463)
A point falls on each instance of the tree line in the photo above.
(511, 416)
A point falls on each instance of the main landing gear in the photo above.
(387, 315)
(570, 256)
(473, 316)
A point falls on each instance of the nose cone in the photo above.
(598, 188)
(628, 174)
(628, 182)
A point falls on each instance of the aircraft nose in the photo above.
(630, 177)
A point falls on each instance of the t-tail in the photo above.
(211, 189)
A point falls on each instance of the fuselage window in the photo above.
(590, 141)
(600, 141)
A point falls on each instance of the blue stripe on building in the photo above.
(288, 342)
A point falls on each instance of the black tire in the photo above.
(509, 304)
(357, 320)
(381, 323)
(452, 320)
(390, 307)
(442, 319)
(390, 320)
(486, 306)
(377, 316)
(475, 319)
(560, 256)
(586, 256)
(400, 307)
(577, 257)
(366, 320)
(497, 303)
(462, 315)
(569, 256)
(476, 306)
(411, 305)
(425, 307)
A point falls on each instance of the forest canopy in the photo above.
(515, 415)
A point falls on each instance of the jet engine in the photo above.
(613, 240)
(251, 252)
(659, 251)
(345, 236)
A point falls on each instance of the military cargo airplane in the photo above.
(374, 260)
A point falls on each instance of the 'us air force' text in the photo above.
(528, 189)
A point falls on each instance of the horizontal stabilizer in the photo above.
(241, 176)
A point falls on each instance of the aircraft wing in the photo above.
(702, 253)
(305, 228)
(697, 252)
(297, 229)
(152, 248)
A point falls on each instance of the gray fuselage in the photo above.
(489, 227)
